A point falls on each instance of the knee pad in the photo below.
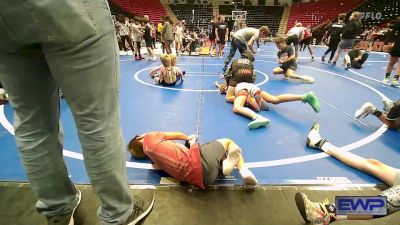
(393, 199)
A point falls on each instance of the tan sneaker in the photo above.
(67, 219)
(312, 212)
(143, 201)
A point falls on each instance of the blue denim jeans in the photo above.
(46, 45)
(235, 45)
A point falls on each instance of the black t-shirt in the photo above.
(241, 70)
(354, 53)
(351, 30)
(147, 33)
(335, 30)
(211, 29)
(394, 35)
(394, 114)
(222, 26)
(284, 54)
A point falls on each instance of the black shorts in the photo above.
(292, 39)
(307, 41)
(222, 40)
(287, 66)
(211, 163)
(333, 43)
(149, 42)
(395, 50)
(212, 38)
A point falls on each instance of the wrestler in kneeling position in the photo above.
(191, 163)
(167, 74)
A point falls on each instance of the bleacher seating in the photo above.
(264, 15)
(388, 9)
(226, 9)
(258, 15)
(194, 21)
(313, 13)
(152, 8)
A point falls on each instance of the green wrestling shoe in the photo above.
(312, 100)
(386, 80)
(259, 122)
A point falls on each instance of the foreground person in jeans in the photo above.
(49, 44)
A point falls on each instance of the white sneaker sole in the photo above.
(71, 222)
(144, 214)
(362, 112)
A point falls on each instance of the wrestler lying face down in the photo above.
(192, 163)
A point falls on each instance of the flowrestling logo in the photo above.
(361, 205)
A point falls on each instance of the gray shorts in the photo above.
(211, 160)
(346, 43)
(251, 88)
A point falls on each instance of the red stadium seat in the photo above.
(313, 13)
(152, 8)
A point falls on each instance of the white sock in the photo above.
(254, 115)
(328, 146)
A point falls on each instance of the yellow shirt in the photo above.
(160, 27)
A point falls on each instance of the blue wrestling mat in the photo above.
(276, 154)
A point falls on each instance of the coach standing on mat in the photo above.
(243, 39)
(222, 33)
(350, 32)
(72, 45)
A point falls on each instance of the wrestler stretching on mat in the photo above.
(323, 212)
(391, 119)
(191, 163)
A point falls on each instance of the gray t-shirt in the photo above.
(296, 31)
(167, 32)
(245, 34)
